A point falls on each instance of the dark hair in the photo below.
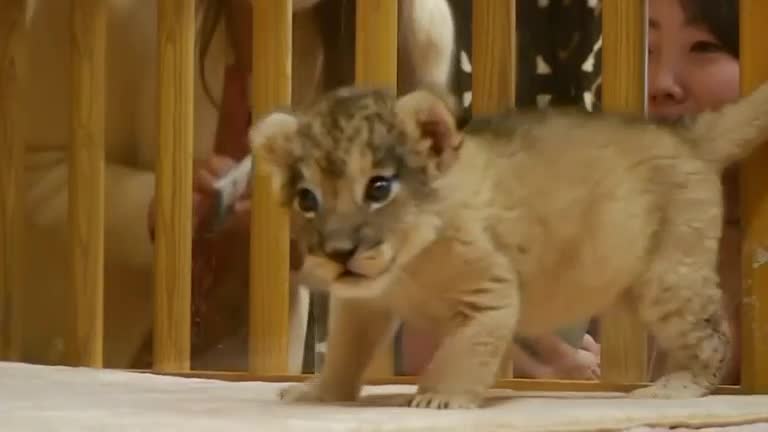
(720, 17)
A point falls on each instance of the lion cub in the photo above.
(519, 224)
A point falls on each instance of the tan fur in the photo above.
(520, 224)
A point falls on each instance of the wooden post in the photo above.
(494, 55)
(623, 337)
(376, 43)
(269, 289)
(494, 66)
(86, 179)
(754, 192)
(376, 66)
(11, 171)
(173, 236)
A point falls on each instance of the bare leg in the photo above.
(555, 359)
(467, 362)
(357, 329)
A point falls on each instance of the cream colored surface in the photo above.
(41, 399)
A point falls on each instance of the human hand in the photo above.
(205, 173)
(556, 359)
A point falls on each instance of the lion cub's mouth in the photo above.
(348, 275)
(369, 263)
(363, 266)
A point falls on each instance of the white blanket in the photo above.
(41, 398)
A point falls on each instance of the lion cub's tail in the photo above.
(733, 132)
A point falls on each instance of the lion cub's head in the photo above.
(355, 168)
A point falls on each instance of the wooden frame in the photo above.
(11, 169)
(493, 88)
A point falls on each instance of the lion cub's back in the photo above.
(586, 199)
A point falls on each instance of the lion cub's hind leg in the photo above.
(680, 300)
(467, 362)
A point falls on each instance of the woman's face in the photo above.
(688, 69)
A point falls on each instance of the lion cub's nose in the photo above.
(341, 255)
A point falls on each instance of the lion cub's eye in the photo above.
(306, 201)
(379, 189)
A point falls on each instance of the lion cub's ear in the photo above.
(273, 140)
(429, 121)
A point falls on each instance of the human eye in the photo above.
(706, 47)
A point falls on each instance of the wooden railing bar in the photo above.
(376, 65)
(623, 337)
(376, 43)
(754, 192)
(11, 172)
(173, 193)
(269, 289)
(494, 65)
(86, 179)
(494, 55)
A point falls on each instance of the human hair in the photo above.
(336, 21)
(209, 16)
(720, 17)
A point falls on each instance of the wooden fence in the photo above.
(493, 46)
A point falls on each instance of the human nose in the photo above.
(664, 88)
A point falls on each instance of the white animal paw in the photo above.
(679, 385)
(443, 401)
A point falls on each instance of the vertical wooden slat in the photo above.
(494, 55)
(269, 289)
(376, 65)
(11, 169)
(86, 179)
(754, 185)
(494, 65)
(376, 43)
(176, 39)
(623, 337)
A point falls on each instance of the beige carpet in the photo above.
(37, 399)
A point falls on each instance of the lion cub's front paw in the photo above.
(312, 392)
(444, 401)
